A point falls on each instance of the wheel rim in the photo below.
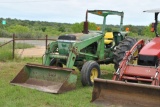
(94, 74)
(134, 61)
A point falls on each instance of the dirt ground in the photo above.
(37, 51)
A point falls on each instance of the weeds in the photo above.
(6, 52)
(16, 96)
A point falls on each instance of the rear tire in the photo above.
(56, 63)
(89, 72)
(121, 49)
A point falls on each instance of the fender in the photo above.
(152, 48)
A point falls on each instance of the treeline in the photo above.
(38, 29)
(32, 29)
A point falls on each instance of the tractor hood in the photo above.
(152, 48)
(66, 41)
(78, 36)
(91, 34)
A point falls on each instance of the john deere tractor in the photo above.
(86, 51)
(89, 49)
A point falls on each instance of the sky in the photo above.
(72, 11)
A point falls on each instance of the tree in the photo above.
(61, 29)
(78, 27)
(43, 29)
(92, 26)
(147, 31)
(18, 29)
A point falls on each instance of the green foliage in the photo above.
(78, 27)
(16, 96)
(92, 26)
(38, 29)
(5, 53)
(5, 33)
(18, 29)
(33, 29)
(61, 29)
(147, 31)
(132, 34)
(43, 29)
(108, 29)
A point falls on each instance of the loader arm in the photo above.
(138, 46)
(75, 50)
(78, 46)
(124, 89)
(52, 47)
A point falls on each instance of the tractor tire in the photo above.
(121, 49)
(90, 70)
(56, 63)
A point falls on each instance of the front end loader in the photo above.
(136, 83)
(86, 51)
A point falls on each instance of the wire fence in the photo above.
(17, 39)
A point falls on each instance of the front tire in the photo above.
(90, 70)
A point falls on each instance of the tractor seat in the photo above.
(108, 39)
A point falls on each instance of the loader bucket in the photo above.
(111, 93)
(46, 78)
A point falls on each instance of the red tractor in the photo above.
(136, 83)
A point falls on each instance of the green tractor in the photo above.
(86, 51)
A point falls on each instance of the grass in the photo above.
(19, 45)
(16, 96)
(6, 51)
(23, 46)
(146, 38)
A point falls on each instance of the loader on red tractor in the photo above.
(136, 83)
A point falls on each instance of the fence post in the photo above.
(46, 41)
(13, 45)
